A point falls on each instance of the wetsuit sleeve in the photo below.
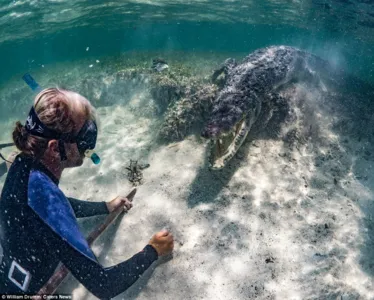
(84, 209)
(103, 282)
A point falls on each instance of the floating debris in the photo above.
(135, 174)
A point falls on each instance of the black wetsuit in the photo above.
(35, 239)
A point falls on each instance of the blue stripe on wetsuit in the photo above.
(51, 205)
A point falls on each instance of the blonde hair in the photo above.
(57, 109)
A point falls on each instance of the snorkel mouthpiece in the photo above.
(93, 156)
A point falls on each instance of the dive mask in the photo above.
(86, 141)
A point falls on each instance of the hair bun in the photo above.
(21, 129)
(20, 136)
(24, 132)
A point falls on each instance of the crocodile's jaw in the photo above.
(219, 154)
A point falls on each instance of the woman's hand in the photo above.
(163, 242)
(119, 201)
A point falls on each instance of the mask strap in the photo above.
(61, 148)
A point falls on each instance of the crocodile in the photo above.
(248, 92)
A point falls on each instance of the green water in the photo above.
(36, 33)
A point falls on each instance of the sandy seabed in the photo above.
(279, 222)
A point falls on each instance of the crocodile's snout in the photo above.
(246, 88)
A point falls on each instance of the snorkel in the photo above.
(85, 139)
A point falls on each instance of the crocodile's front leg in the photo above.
(225, 68)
